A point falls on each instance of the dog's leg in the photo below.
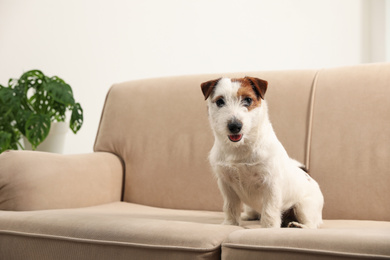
(308, 214)
(231, 206)
(250, 214)
(271, 215)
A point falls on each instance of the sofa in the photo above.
(148, 192)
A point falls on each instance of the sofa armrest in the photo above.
(38, 180)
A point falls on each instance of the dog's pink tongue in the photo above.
(235, 138)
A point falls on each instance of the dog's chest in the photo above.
(247, 180)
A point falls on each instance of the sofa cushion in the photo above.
(336, 239)
(350, 144)
(159, 127)
(112, 231)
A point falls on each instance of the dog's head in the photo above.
(234, 106)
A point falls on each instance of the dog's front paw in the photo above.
(230, 222)
(276, 223)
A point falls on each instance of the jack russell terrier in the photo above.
(250, 163)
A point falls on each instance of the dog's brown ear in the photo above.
(208, 87)
(259, 86)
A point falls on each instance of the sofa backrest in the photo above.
(350, 141)
(160, 129)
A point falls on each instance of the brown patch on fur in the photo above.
(249, 89)
(259, 86)
(208, 87)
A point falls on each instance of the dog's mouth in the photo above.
(235, 138)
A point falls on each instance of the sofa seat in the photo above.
(116, 230)
(336, 239)
(123, 230)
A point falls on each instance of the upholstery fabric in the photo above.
(350, 144)
(159, 127)
(37, 180)
(112, 231)
(336, 239)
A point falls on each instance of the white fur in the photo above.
(257, 170)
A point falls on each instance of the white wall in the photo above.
(376, 30)
(387, 29)
(95, 43)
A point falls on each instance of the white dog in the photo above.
(250, 163)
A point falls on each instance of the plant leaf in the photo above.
(58, 112)
(61, 92)
(77, 118)
(21, 118)
(5, 141)
(37, 129)
(8, 99)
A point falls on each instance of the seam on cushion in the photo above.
(106, 242)
(303, 250)
(310, 121)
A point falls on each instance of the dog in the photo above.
(250, 163)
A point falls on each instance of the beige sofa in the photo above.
(147, 192)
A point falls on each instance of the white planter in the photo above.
(54, 142)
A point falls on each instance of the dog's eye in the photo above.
(247, 101)
(220, 102)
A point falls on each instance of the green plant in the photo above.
(29, 104)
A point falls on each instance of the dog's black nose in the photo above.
(235, 126)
